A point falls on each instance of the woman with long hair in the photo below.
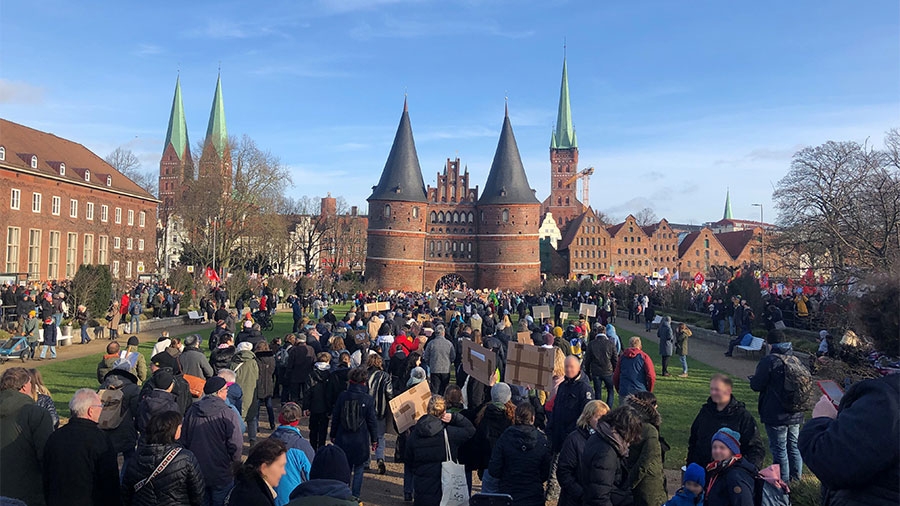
(180, 482)
(256, 479)
(603, 472)
(41, 395)
(645, 457)
(567, 471)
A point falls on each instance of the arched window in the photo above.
(559, 183)
(559, 201)
(470, 247)
(87, 175)
(415, 212)
(108, 180)
(441, 217)
(387, 210)
(453, 193)
(2, 153)
(455, 217)
(33, 161)
(567, 200)
(504, 216)
(62, 169)
(706, 243)
(433, 217)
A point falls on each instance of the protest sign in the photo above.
(588, 309)
(478, 361)
(529, 365)
(541, 312)
(410, 405)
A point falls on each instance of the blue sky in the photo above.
(672, 101)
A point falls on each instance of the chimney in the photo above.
(354, 210)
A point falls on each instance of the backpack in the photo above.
(798, 386)
(282, 356)
(114, 408)
(766, 494)
(575, 346)
(351, 416)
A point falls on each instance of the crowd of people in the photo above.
(171, 430)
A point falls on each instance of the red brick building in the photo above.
(344, 242)
(419, 235)
(64, 206)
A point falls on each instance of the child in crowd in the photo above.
(691, 492)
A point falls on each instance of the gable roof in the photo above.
(687, 242)
(507, 182)
(401, 180)
(735, 242)
(22, 142)
(571, 231)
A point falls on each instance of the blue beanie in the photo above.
(696, 474)
(730, 438)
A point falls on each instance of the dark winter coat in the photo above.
(212, 431)
(180, 483)
(194, 362)
(493, 424)
(603, 470)
(124, 437)
(300, 363)
(425, 451)
(666, 339)
(250, 491)
(355, 443)
(681, 340)
(645, 468)
(220, 358)
(152, 403)
(736, 417)
(215, 336)
(571, 396)
(265, 385)
(568, 470)
(855, 455)
(322, 492)
(292, 438)
(317, 399)
(732, 485)
(381, 389)
(769, 382)
(180, 389)
(24, 429)
(521, 462)
(600, 357)
(80, 467)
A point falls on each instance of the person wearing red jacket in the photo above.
(634, 371)
(408, 344)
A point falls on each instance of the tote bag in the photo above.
(454, 490)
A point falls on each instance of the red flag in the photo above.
(212, 275)
(699, 279)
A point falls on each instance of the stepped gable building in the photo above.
(419, 238)
(65, 206)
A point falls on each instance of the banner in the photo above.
(699, 278)
(530, 366)
(212, 275)
(478, 361)
(410, 405)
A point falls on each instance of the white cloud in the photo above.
(148, 50)
(20, 92)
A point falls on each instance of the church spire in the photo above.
(507, 182)
(177, 135)
(401, 179)
(215, 131)
(727, 215)
(564, 135)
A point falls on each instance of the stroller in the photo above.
(264, 319)
(16, 346)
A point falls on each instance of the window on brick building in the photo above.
(117, 242)
(387, 211)
(2, 153)
(15, 199)
(89, 211)
(62, 169)
(36, 202)
(73, 208)
(13, 236)
(129, 243)
(131, 217)
(115, 268)
(415, 213)
(128, 269)
(108, 180)
(53, 256)
(103, 250)
(55, 204)
(87, 254)
(706, 243)
(104, 213)
(34, 253)
(33, 162)
(504, 215)
(433, 217)
(71, 252)
(142, 218)
(118, 215)
(140, 245)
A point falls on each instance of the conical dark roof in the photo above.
(507, 182)
(401, 179)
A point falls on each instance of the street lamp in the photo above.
(762, 236)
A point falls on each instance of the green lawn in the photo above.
(679, 398)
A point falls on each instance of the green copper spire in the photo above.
(177, 134)
(727, 215)
(216, 132)
(564, 136)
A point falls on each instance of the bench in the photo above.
(61, 340)
(756, 345)
(194, 317)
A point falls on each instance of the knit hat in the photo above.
(416, 376)
(214, 384)
(696, 474)
(557, 331)
(163, 379)
(330, 463)
(548, 339)
(501, 393)
(164, 359)
(133, 341)
(245, 346)
(730, 438)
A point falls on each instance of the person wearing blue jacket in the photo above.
(691, 491)
(353, 424)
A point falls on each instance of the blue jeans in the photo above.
(135, 323)
(356, 481)
(783, 445)
(731, 325)
(215, 496)
(489, 484)
(380, 428)
(683, 363)
(44, 351)
(408, 479)
(599, 382)
(85, 338)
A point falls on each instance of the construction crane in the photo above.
(585, 175)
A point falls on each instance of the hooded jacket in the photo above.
(769, 382)
(521, 462)
(300, 362)
(246, 372)
(318, 397)
(736, 417)
(180, 483)
(220, 358)
(296, 472)
(212, 431)
(855, 455)
(152, 403)
(250, 491)
(569, 468)
(603, 470)
(425, 451)
(106, 364)
(494, 422)
(124, 437)
(292, 438)
(730, 485)
(381, 389)
(354, 443)
(322, 492)
(634, 373)
(645, 460)
(24, 429)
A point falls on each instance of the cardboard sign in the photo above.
(360, 337)
(478, 361)
(588, 309)
(374, 307)
(530, 366)
(541, 312)
(563, 317)
(422, 318)
(523, 337)
(410, 405)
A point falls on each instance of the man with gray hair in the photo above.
(439, 355)
(192, 360)
(80, 465)
(24, 429)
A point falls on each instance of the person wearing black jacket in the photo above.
(603, 472)
(568, 470)
(730, 478)
(180, 388)
(301, 358)
(491, 421)
(782, 426)
(158, 399)
(180, 483)
(317, 401)
(599, 363)
(220, 357)
(573, 393)
(723, 410)
(354, 425)
(217, 334)
(520, 461)
(426, 449)
(124, 436)
(265, 387)
(255, 481)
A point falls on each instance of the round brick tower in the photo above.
(509, 214)
(395, 248)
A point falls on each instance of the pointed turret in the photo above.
(177, 134)
(564, 135)
(215, 131)
(401, 179)
(507, 182)
(727, 215)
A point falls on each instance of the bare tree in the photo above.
(646, 217)
(126, 162)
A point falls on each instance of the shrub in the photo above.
(93, 287)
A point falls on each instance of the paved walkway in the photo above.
(700, 349)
